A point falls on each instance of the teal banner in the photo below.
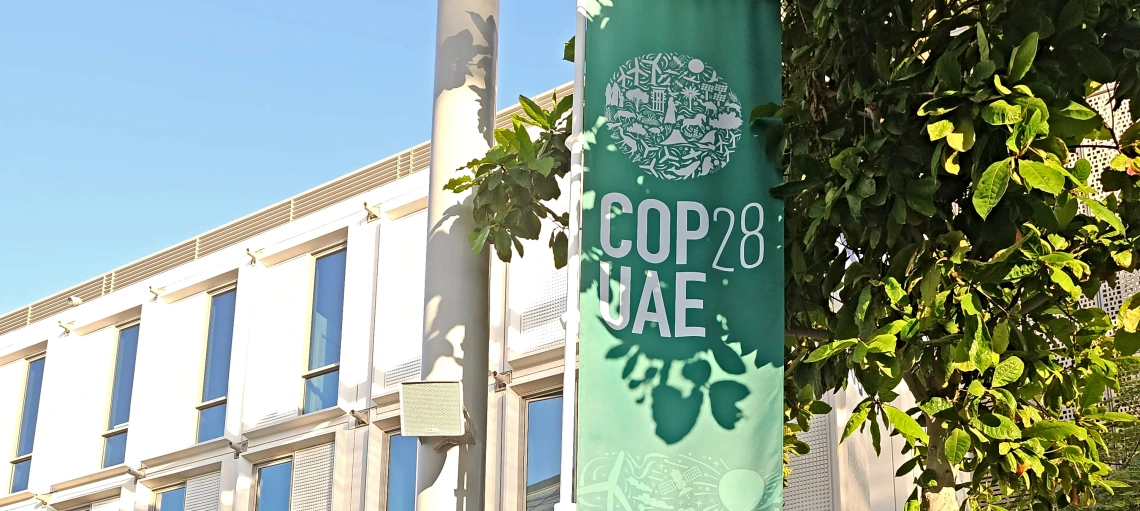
(681, 355)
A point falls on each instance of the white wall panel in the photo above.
(536, 293)
(356, 336)
(74, 406)
(278, 340)
(168, 376)
(400, 299)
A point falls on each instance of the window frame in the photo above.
(306, 373)
(17, 458)
(524, 420)
(222, 400)
(121, 428)
(255, 478)
(157, 494)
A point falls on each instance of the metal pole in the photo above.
(456, 289)
(573, 273)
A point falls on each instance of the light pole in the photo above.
(456, 305)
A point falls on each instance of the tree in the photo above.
(933, 140)
(1123, 442)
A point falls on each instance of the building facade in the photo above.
(256, 367)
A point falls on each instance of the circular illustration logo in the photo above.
(673, 115)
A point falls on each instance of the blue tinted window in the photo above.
(273, 487)
(328, 308)
(211, 422)
(171, 500)
(31, 407)
(543, 452)
(402, 473)
(321, 391)
(124, 377)
(114, 449)
(20, 473)
(216, 380)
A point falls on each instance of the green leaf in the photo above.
(949, 71)
(1118, 417)
(534, 111)
(939, 106)
(1103, 214)
(1041, 176)
(1008, 371)
(971, 304)
(478, 239)
(560, 247)
(568, 50)
(858, 417)
(828, 350)
(1072, 16)
(983, 43)
(1001, 113)
(1127, 343)
(1119, 162)
(961, 139)
(883, 343)
(992, 185)
(957, 445)
(894, 290)
(1001, 337)
(1128, 318)
(543, 165)
(935, 405)
(864, 302)
(996, 426)
(1074, 110)
(1054, 430)
(819, 408)
(976, 388)
(905, 423)
(765, 111)
(1022, 58)
(939, 130)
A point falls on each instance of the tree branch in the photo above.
(810, 333)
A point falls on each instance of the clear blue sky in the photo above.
(129, 126)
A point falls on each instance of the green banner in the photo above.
(681, 355)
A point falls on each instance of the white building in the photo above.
(256, 367)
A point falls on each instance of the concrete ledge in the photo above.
(112, 320)
(193, 288)
(327, 415)
(13, 498)
(160, 478)
(190, 452)
(289, 445)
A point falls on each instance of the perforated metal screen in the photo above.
(810, 485)
(312, 479)
(431, 409)
(203, 493)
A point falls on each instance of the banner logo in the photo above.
(673, 115)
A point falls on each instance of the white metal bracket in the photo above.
(239, 447)
(373, 212)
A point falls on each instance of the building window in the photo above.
(22, 463)
(543, 452)
(274, 481)
(216, 374)
(115, 439)
(170, 499)
(401, 473)
(322, 377)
